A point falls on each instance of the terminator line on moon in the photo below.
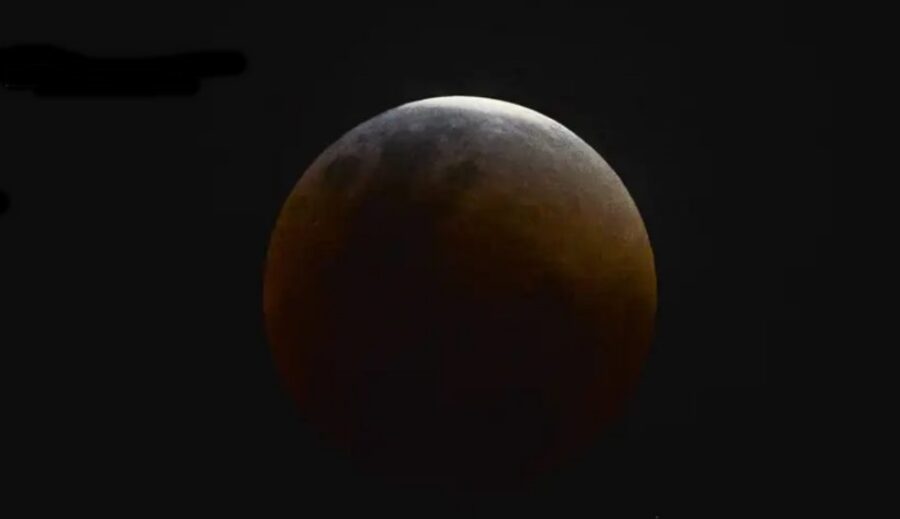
(460, 291)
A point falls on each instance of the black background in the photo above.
(133, 243)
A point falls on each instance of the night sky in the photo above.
(135, 230)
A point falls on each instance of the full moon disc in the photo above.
(460, 291)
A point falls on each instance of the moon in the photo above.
(461, 292)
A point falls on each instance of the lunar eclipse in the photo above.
(460, 291)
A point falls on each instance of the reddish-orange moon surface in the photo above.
(460, 291)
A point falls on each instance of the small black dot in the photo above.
(4, 201)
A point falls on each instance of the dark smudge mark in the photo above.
(531, 214)
(361, 137)
(405, 153)
(342, 171)
(462, 176)
(456, 133)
